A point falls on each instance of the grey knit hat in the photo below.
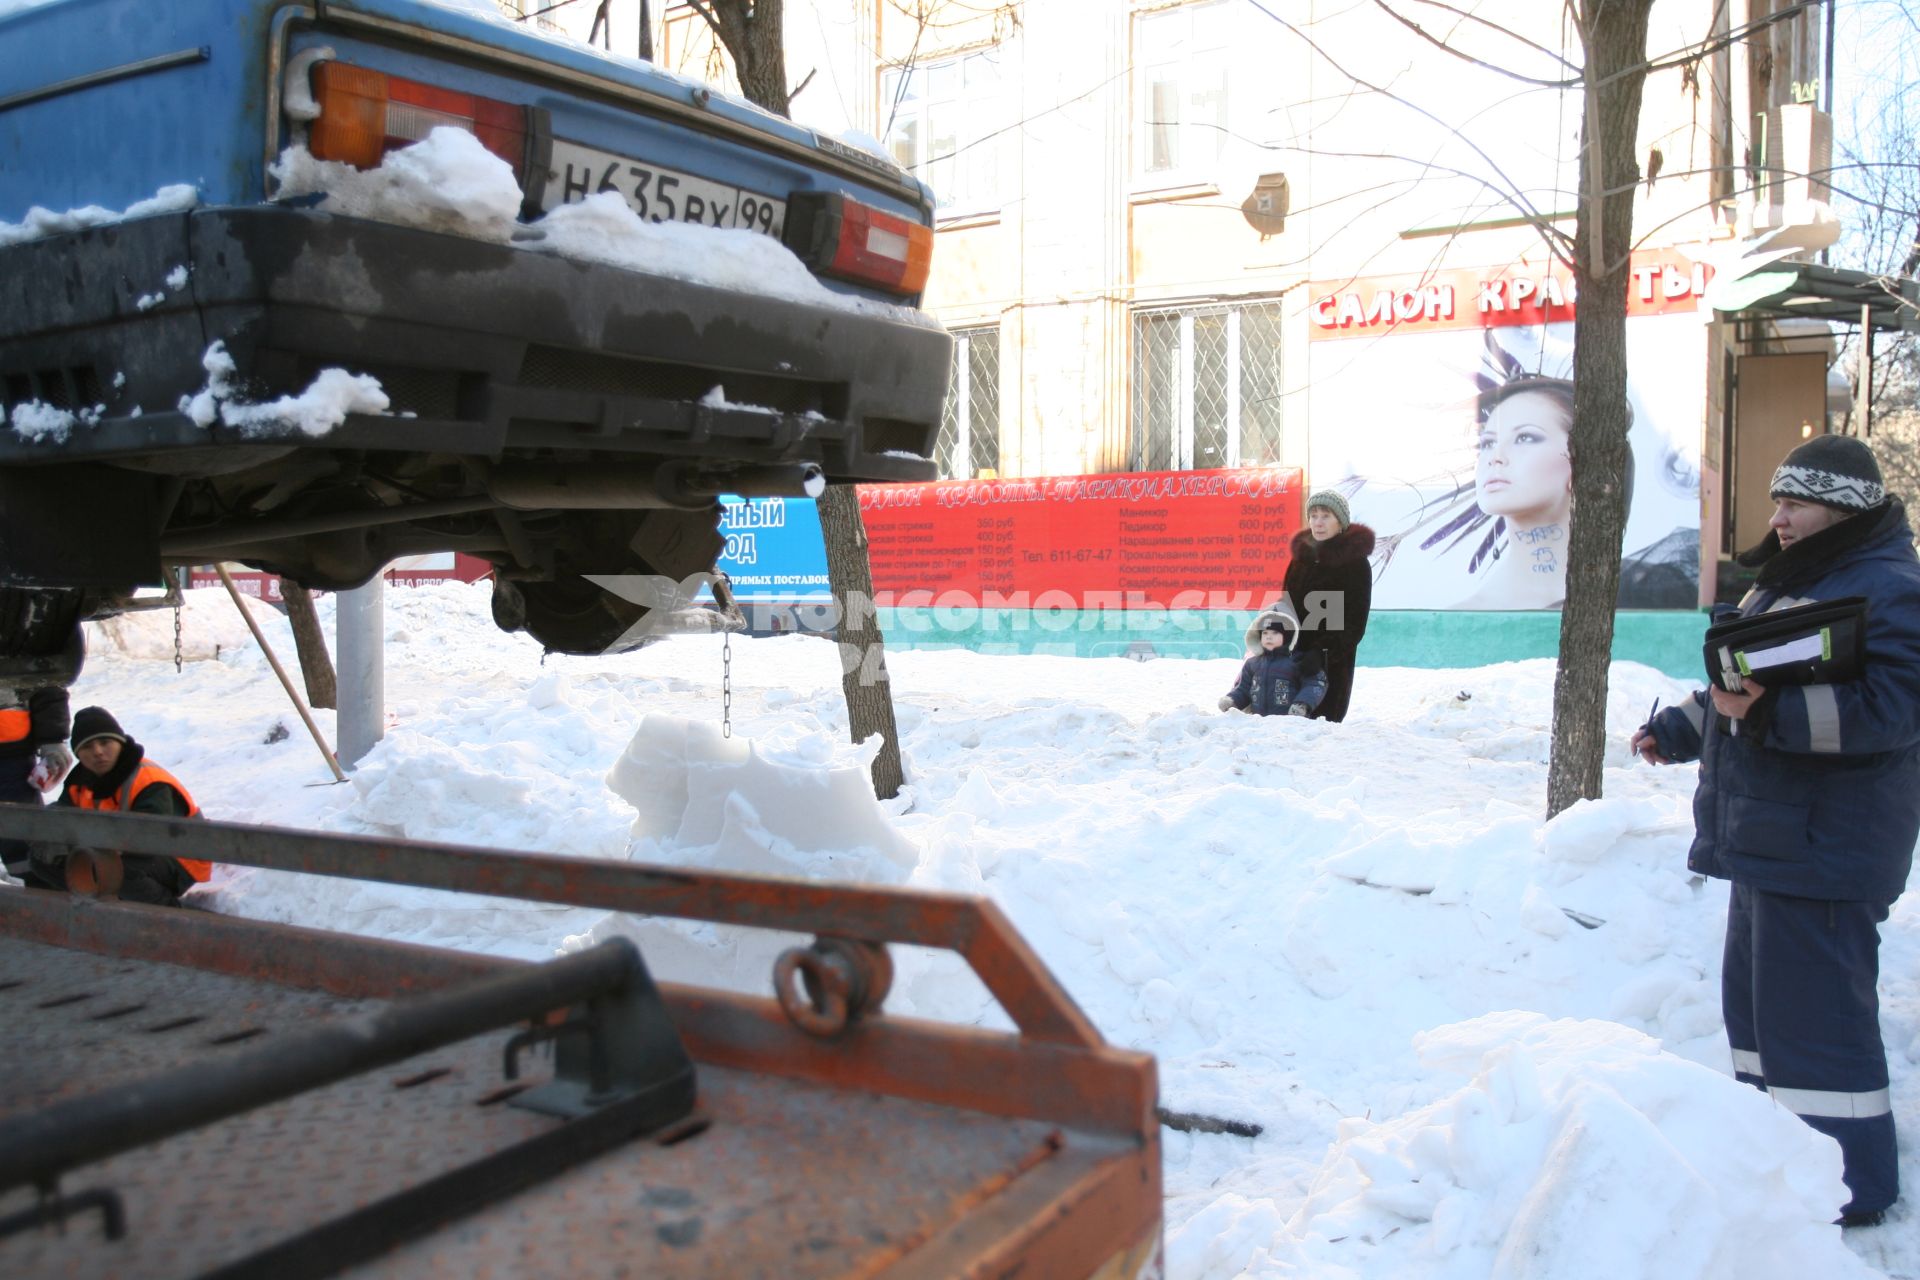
(1333, 502)
(1834, 471)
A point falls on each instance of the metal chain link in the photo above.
(176, 640)
(726, 684)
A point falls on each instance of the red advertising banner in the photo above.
(1660, 282)
(1139, 540)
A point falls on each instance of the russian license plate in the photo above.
(657, 193)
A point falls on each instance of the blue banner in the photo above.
(774, 549)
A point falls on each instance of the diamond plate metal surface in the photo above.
(791, 1179)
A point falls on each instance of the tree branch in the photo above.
(1438, 43)
(1513, 194)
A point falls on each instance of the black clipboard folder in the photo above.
(1820, 643)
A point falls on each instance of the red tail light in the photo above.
(365, 114)
(839, 237)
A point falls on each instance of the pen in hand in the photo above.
(1643, 736)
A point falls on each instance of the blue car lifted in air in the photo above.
(566, 419)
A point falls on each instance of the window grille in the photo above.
(1206, 388)
(969, 440)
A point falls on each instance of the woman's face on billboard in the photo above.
(1523, 471)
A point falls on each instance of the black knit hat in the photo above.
(95, 722)
(1834, 471)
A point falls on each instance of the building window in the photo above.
(1206, 388)
(969, 442)
(941, 122)
(1181, 93)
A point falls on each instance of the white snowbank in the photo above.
(1355, 936)
(209, 627)
(1575, 1149)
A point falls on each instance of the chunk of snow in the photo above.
(324, 405)
(45, 222)
(450, 183)
(446, 182)
(36, 421)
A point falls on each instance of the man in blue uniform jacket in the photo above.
(1809, 802)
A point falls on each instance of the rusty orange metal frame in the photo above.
(974, 928)
(1103, 1216)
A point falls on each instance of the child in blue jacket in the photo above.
(1277, 680)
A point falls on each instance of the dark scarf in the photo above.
(1780, 565)
(104, 785)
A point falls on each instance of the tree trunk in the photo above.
(763, 72)
(316, 665)
(754, 36)
(1616, 41)
(863, 654)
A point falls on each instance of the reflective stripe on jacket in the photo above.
(122, 800)
(15, 724)
(1822, 798)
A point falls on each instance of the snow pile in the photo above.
(209, 627)
(450, 183)
(44, 222)
(36, 421)
(1447, 1015)
(604, 228)
(1575, 1145)
(324, 405)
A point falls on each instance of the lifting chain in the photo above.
(726, 684)
(176, 639)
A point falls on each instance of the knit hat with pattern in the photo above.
(1834, 471)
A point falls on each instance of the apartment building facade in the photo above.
(1184, 234)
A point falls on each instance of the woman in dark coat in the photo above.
(1330, 585)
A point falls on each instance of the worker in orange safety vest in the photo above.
(112, 774)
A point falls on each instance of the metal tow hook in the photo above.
(843, 979)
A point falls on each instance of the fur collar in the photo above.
(1355, 542)
(1779, 564)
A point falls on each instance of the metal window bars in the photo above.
(1207, 387)
(969, 439)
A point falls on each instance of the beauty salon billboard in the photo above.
(1440, 405)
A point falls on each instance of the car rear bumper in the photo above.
(484, 349)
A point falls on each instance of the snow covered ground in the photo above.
(1354, 936)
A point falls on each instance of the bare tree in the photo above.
(316, 665)
(751, 31)
(1614, 35)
